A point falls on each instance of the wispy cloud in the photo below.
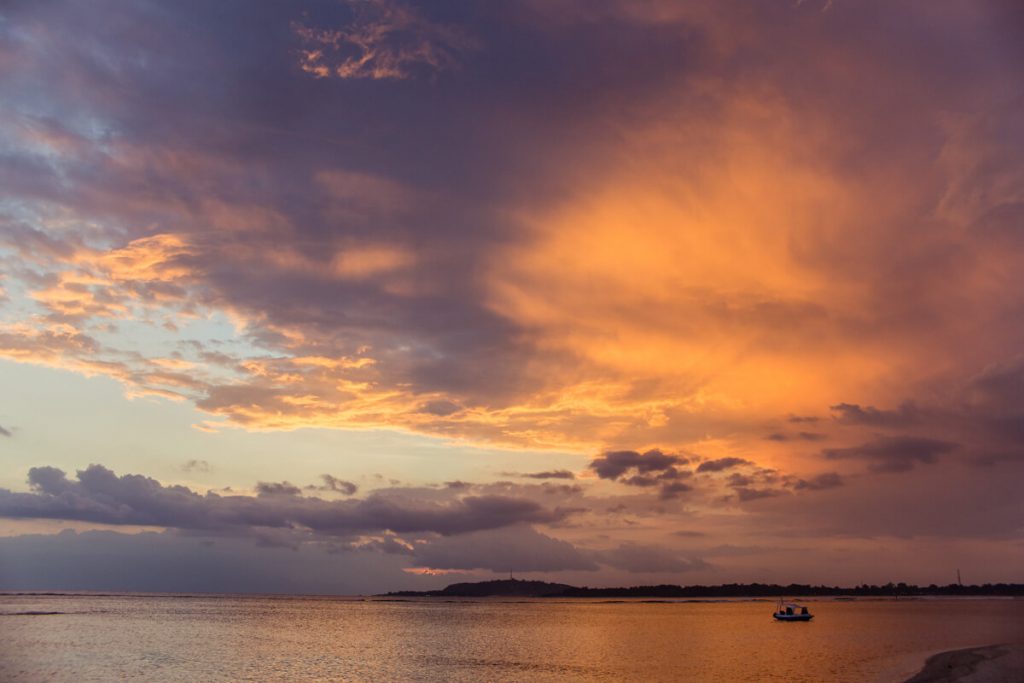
(550, 474)
(383, 39)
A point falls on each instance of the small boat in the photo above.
(791, 612)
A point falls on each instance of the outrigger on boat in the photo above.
(791, 612)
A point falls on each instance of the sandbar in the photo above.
(990, 664)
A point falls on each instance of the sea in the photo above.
(91, 637)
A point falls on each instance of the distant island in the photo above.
(486, 589)
(543, 589)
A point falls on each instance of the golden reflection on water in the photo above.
(324, 639)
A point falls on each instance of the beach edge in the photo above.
(985, 664)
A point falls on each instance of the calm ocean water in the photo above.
(230, 638)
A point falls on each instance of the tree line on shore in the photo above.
(752, 590)
(518, 588)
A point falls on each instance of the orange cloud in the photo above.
(663, 244)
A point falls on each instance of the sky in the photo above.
(364, 295)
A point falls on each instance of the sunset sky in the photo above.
(365, 295)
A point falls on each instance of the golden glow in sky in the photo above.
(635, 287)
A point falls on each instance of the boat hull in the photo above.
(793, 617)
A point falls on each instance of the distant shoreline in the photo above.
(543, 589)
(539, 589)
(988, 664)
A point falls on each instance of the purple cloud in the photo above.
(893, 454)
(720, 464)
(101, 496)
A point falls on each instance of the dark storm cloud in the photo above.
(744, 486)
(826, 480)
(305, 131)
(999, 388)
(673, 490)
(721, 464)
(853, 414)
(893, 454)
(101, 496)
(195, 466)
(982, 418)
(227, 134)
(257, 107)
(995, 407)
(938, 501)
(649, 469)
(382, 39)
(614, 464)
(257, 111)
(650, 480)
(737, 479)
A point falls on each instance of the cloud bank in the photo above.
(760, 267)
(412, 222)
(101, 496)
